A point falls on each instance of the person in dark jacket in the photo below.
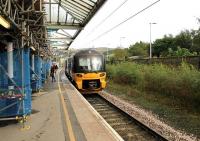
(56, 68)
(52, 73)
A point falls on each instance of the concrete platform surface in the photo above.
(92, 125)
(44, 124)
(59, 113)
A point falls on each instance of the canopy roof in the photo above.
(66, 18)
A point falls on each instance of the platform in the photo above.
(60, 113)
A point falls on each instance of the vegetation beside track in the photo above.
(172, 94)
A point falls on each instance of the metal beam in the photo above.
(66, 17)
(34, 1)
(77, 6)
(84, 4)
(32, 11)
(77, 17)
(50, 2)
(62, 38)
(74, 9)
(63, 45)
(63, 34)
(66, 33)
(58, 12)
(50, 11)
(57, 26)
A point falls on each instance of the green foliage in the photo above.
(182, 82)
(196, 41)
(120, 54)
(110, 71)
(188, 41)
(125, 74)
(160, 46)
(180, 52)
(139, 49)
(184, 39)
(189, 80)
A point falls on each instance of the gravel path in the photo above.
(148, 119)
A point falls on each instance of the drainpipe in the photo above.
(10, 65)
(33, 66)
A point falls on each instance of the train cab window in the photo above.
(96, 63)
(84, 64)
(90, 63)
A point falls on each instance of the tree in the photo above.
(160, 46)
(138, 49)
(196, 41)
(180, 52)
(120, 54)
(184, 39)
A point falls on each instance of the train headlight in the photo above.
(102, 74)
(79, 75)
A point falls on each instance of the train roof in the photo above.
(87, 52)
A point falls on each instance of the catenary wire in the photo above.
(132, 16)
(101, 22)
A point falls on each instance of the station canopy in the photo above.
(66, 18)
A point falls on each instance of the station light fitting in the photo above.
(4, 22)
(32, 48)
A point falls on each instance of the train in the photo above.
(86, 70)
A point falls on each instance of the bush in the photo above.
(110, 70)
(189, 82)
(125, 73)
(159, 78)
(182, 82)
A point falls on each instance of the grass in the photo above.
(171, 94)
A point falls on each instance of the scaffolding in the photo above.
(26, 45)
(25, 36)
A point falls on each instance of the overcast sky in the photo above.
(171, 17)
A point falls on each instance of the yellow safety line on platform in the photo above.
(67, 120)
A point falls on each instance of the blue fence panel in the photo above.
(27, 81)
(19, 102)
(39, 72)
(3, 80)
(43, 71)
(36, 84)
(49, 64)
(3, 68)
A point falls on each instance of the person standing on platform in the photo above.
(52, 73)
(56, 68)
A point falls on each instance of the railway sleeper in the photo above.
(120, 125)
(107, 112)
(111, 116)
(101, 106)
(98, 104)
(103, 109)
(118, 121)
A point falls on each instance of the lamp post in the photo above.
(107, 52)
(121, 40)
(150, 49)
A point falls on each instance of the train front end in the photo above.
(89, 71)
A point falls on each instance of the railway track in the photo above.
(126, 126)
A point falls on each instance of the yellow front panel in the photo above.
(91, 75)
(79, 77)
(103, 84)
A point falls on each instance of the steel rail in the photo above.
(121, 121)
